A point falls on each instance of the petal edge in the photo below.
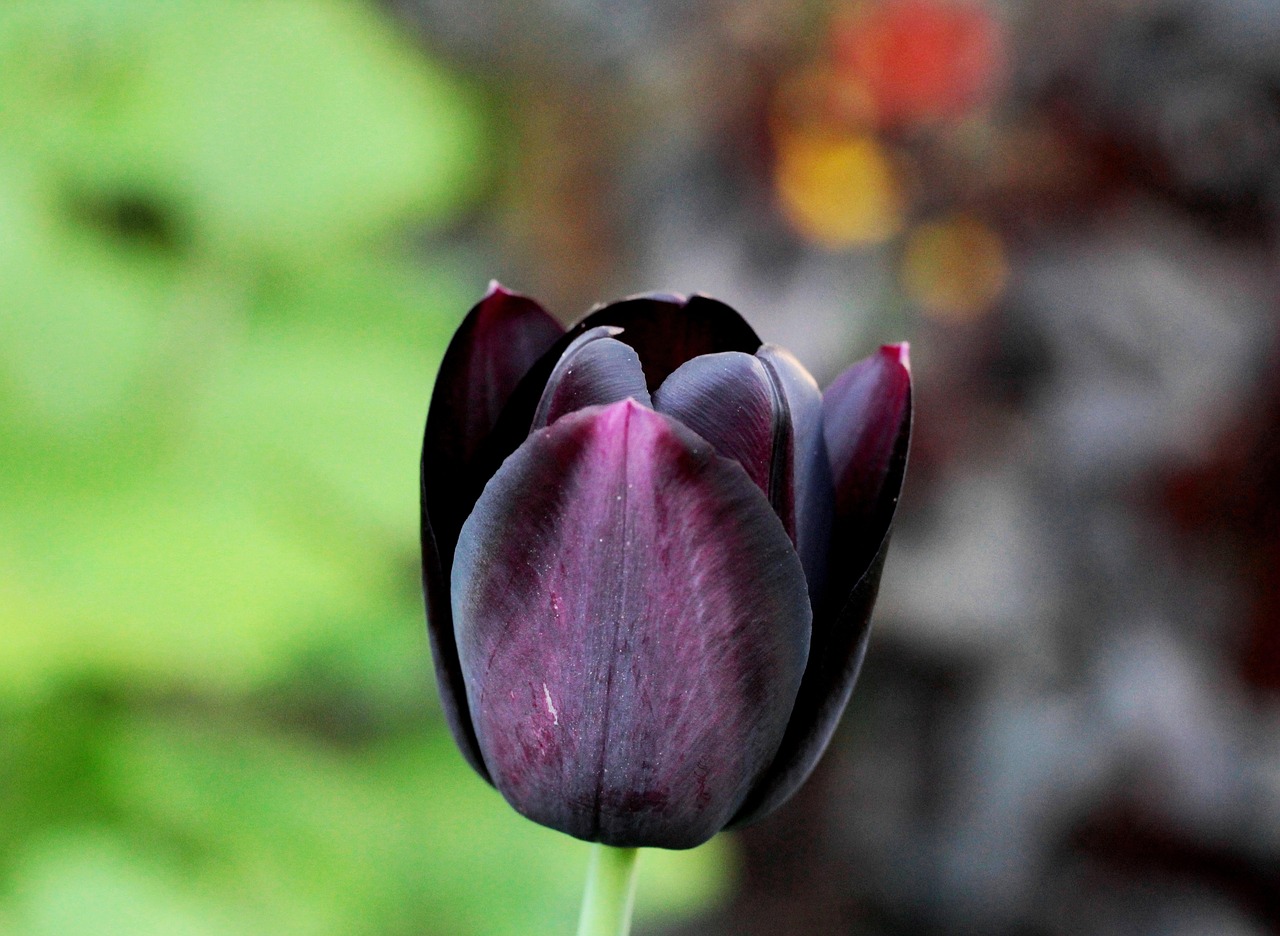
(495, 345)
(867, 425)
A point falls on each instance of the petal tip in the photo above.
(900, 353)
(619, 416)
(627, 405)
(496, 289)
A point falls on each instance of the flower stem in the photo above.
(611, 890)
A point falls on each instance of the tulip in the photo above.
(651, 546)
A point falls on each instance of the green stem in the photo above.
(611, 890)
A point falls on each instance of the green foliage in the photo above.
(277, 833)
(215, 355)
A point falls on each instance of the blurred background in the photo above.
(234, 241)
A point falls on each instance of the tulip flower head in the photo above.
(651, 546)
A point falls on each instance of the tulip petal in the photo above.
(633, 624)
(867, 425)
(866, 417)
(813, 494)
(729, 399)
(595, 369)
(666, 332)
(498, 341)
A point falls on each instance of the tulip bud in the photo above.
(651, 547)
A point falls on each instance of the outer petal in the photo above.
(867, 421)
(497, 342)
(730, 400)
(867, 417)
(596, 368)
(633, 625)
(810, 472)
(667, 332)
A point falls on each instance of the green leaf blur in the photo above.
(216, 346)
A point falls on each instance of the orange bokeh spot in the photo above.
(954, 268)
(838, 189)
(921, 61)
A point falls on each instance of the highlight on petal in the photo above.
(666, 331)
(498, 341)
(730, 400)
(595, 369)
(633, 623)
(867, 425)
(661, 296)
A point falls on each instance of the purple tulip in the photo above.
(651, 546)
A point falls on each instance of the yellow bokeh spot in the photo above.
(954, 268)
(840, 190)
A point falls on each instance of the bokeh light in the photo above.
(839, 190)
(954, 268)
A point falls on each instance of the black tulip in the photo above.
(651, 546)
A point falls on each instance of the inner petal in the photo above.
(595, 369)
(731, 400)
(668, 330)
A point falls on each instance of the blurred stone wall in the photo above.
(1068, 721)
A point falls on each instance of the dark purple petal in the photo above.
(865, 416)
(633, 624)
(814, 495)
(498, 341)
(666, 332)
(595, 369)
(867, 424)
(730, 400)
